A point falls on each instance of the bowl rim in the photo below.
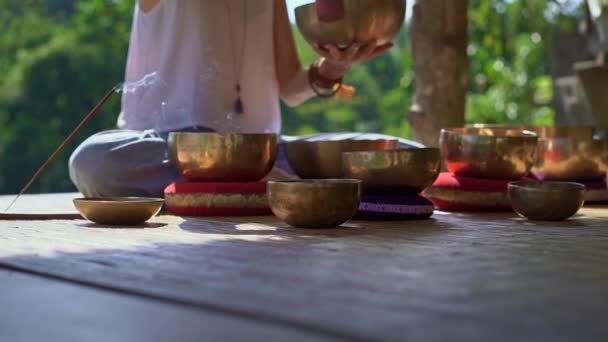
(463, 131)
(316, 182)
(304, 142)
(224, 134)
(113, 200)
(393, 151)
(547, 132)
(306, 6)
(554, 186)
(303, 6)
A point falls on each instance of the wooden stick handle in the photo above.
(65, 143)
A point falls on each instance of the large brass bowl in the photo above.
(364, 20)
(322, 203)
(567, 153)
(402, 171)
(125, 211)
(323, 159)
(487, 153)
(223, 157)
(546, 201)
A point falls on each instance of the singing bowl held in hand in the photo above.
(362, 22)
(320, 203)
(487, 153)
(321, 159)
(223, 157)
(401, 171)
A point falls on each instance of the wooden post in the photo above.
(439, 42)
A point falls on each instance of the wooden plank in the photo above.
(39, 309)
(42, 204)
(486, 276)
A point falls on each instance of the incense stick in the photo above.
(67, 140)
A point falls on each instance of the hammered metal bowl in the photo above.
(223, 157)
(322, 159)
(487, 153)
(401, 171)
(573, 153)
(321, 203)
(364, 20)
(546, 201)
(125, 211)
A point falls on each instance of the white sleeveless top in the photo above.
(180, 68)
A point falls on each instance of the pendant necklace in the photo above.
(237, 106)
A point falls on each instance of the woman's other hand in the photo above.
(337, 61)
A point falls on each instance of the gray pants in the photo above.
(120, 163)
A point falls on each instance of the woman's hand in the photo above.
(336, 61)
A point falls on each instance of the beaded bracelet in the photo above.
(323, 87)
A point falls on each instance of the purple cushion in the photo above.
(393, 207)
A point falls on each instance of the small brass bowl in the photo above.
(546, 201)
(488, 153)
(125, 211)
(567, 153)
(322, 203)
(402, 171)
(223, 157)
(363, 21)
(322, 159)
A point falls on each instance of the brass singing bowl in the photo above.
(572, 153)
(363, 21)
(323, 159)
(322, 203)
(223, 157)
(401, 171)
(486, 153)
(125, 211)
(546, 201)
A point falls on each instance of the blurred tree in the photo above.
(55, 73)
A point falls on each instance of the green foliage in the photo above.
(509, 63)
(58, 57)
(55, 73)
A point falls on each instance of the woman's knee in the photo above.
(91, 166)
(121, 163)
(86, 168)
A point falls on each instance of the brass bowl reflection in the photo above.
(574, 153)
(363, 21)
(402, 171)
(321, 203)
(487, 153)
(223, 157)
(323, 158)
(125, 211)
(546, 201)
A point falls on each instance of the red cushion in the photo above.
(217, 199)
(452, 193)
(449, 180)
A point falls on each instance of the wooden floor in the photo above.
(463, 277)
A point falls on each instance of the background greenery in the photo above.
(58, 57)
